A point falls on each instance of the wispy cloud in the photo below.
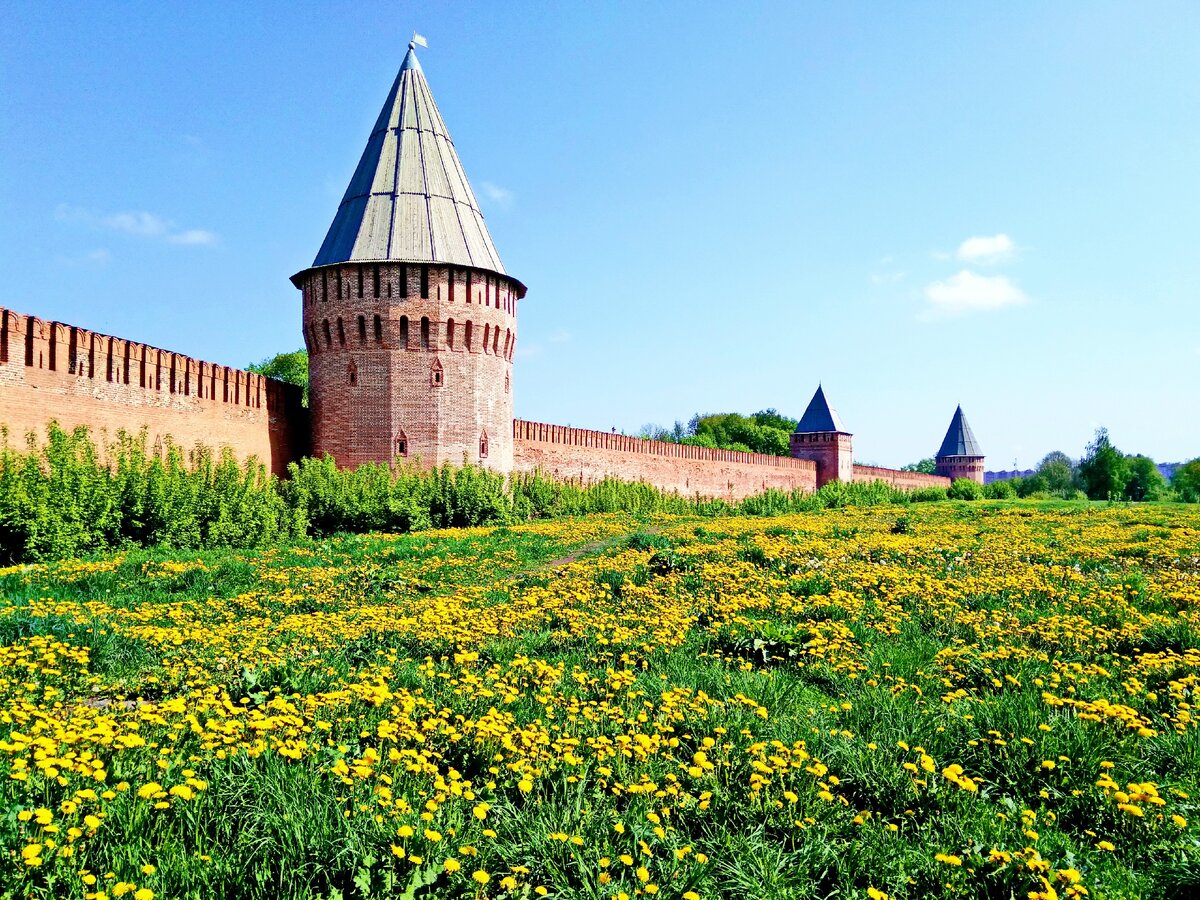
(500, 196)
(989, 250)
(561, 336)
(137, 223)
(969, 292)
(98, 257)
(881, 278)
(193, 237)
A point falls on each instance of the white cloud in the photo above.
(137, 223)
(881, 278)
(193, 237)
(98, 257)
(969, 292)
(987, 250)
(500, 196)
(141, 224)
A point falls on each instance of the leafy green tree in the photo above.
(290, 367)
(1145, 482)
(771, 418)
(1056, 474)
(1186, 482)
(1103, 471)
(927, 466)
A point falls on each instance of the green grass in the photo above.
(834, 633)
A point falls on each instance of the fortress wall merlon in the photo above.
(56, 371)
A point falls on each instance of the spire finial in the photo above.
(417, 39)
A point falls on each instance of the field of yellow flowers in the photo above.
(974, 700)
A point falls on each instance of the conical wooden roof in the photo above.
(409, 199)
(959, 440)
(820, 416)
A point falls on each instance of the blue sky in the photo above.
(715, 206)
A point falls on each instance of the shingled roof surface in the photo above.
(820, 416)
(959, 440)
(409, 199)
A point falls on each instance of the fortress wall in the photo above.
(579, 454)
(51, 371)
(905, 481)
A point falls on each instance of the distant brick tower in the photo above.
(821, 437)
(409, 317)
(960, 455)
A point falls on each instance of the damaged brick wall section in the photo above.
(53, 371)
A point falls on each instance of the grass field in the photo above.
(968, 700)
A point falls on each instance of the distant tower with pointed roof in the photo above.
(960, 455)
(409, 316)
(821, 437)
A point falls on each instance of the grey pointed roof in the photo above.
(959, 440)
(409, 199)
(820, 416)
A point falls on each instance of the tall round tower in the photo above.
(960, 455)
(409, 317)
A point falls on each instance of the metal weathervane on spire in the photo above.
(418, 39)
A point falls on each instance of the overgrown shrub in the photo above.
(965, 489)
(61, 499)
(66, 497)
(1000, 490)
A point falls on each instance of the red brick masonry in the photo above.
(583, 455)
(51, 371)
(905, 481)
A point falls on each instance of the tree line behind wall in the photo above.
(1102, 473)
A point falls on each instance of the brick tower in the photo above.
(821, 437)
(960, 455)
(409, 317)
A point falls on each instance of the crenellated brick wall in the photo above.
(52, 371)
(905, 481)
(438, 387)
(584, 455)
